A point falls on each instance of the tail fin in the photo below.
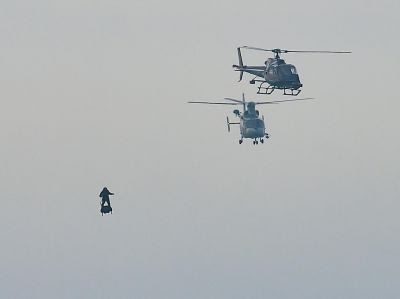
(240, 66)
(228, 123)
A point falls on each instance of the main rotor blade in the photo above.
(258, 49)
(212, 103)
(234, 100)
(335, 52)
(294, 51)
(280, 101)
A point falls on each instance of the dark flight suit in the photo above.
(105, 197)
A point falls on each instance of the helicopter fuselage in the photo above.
(281, 75)
(251, 125)
(252, 128)
(277, 73)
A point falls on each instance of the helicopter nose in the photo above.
(254, 132)
(295, 82)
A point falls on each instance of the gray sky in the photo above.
(93, 94)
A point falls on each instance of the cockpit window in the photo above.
(288, 70)
(254, 123)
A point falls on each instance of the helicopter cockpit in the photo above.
(268, 62)
(288, 69)
(273, 62)
(254, 123)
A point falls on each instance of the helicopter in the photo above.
(252, 126)
(276, 73)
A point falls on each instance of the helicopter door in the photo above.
(273, 74)
(270, 73)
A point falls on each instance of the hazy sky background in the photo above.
(93, 94)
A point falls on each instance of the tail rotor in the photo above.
(240, 66)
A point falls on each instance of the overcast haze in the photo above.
(93, 94)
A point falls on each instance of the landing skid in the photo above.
(293, 92)
(270, 89)
(265, 90)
